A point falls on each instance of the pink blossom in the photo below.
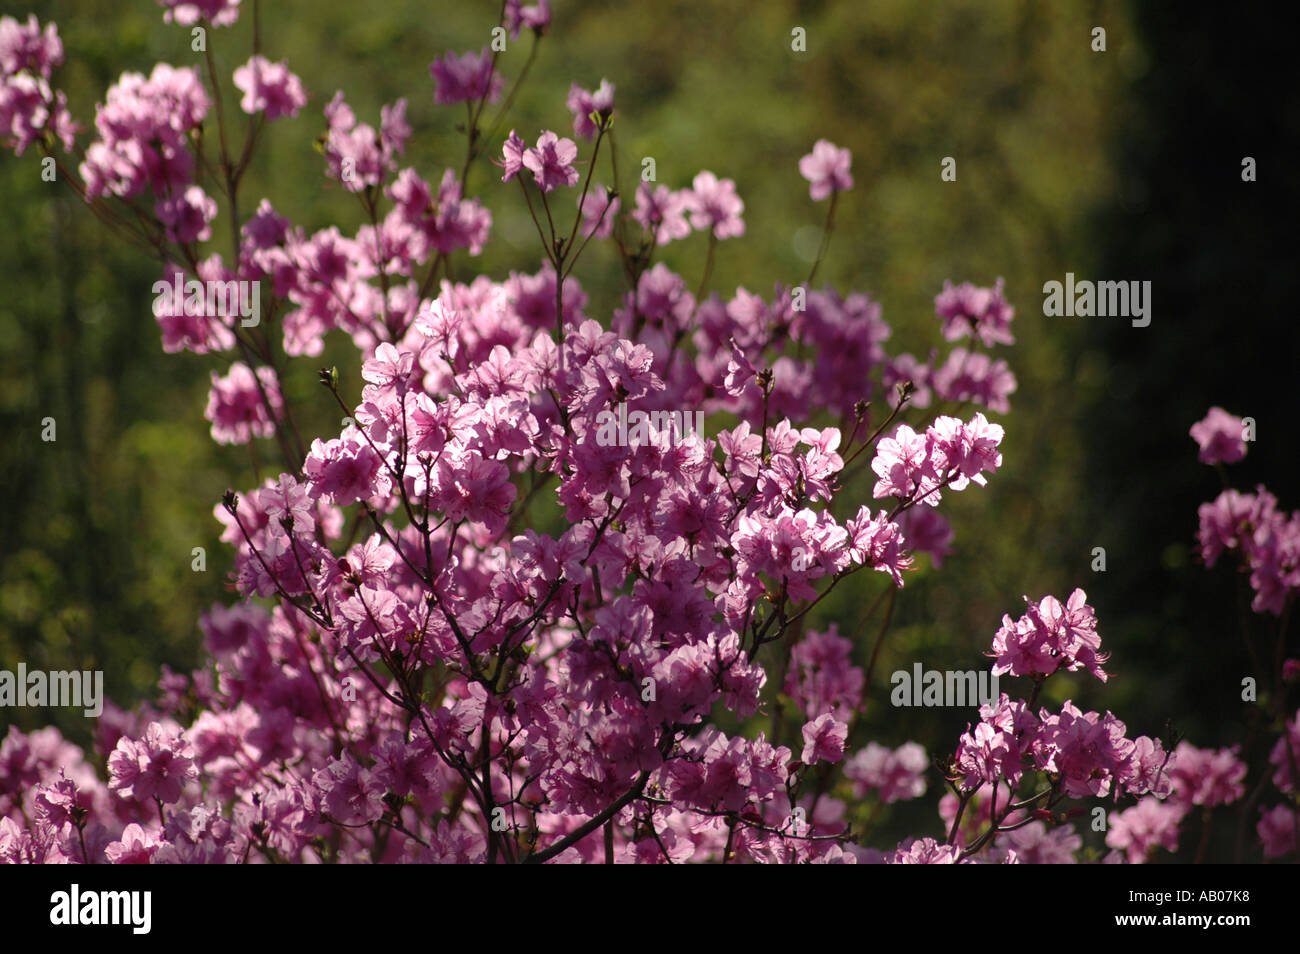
(1277, 831)
(1149, 824)
(469, 76)
(893, 774)
(551, 162)
(537, 17)
(827, 169)
(715, 207)
(582, 103)
(1221, 437)
(823, 739)
(270, 88)
(189, 12)
(662, 212)
(236, 408)
(980, 313)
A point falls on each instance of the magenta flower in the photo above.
(822, 678)
(906, 467)
(143, 126)
(235, 405)
(975, 377)
(715, 207)
(893, 774)
(190, 12)
(135, 847)
(823, 739)
(965, 449)
(269, 88)
(1206, 776)
(923, 851)
(513, 151)
(1276, 829)
(1148, 825)
(662, 212)
(187, 215)
(464, 78)
(598, 212)
(1050, 637)
(156, 766)
(582, 103)
(981, 313)
(536, 17)
(1220, 437)
(25, 46)
(551, 162)
(827, 169)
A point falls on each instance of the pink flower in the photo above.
(893, 774)
(235, 405)
(351, 794)
(981, 313)
(1276, 829)
(965, 448)
(1220, 436)
(157, 766)
(1088, 750)
(537, 17)
(468, 77)
(821, 677)
(513, 150)
(1206, 776)
(878, 543)
(662, 212)
(823, 739)
(346, 470)
(551, 162)
(598, 212)
(923, 851)
(827, 169)
(143, 127)
(25, 46)
(270, 88)
(1036, 844)
(973, 376)
(906, 468)
(190, 12)
(582, 103)
(135, 847)
(187, 216)
(1149, 824)
(995, 750)
(714, 206)
(1050, 637)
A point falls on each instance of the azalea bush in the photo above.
(479, 623)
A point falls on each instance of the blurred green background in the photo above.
(1116, 165)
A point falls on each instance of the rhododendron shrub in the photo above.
(471, 629)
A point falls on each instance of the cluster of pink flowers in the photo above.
(29, 107)
(454, 679)
(1266, 543)
(1050, 637)
(1265, 540)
